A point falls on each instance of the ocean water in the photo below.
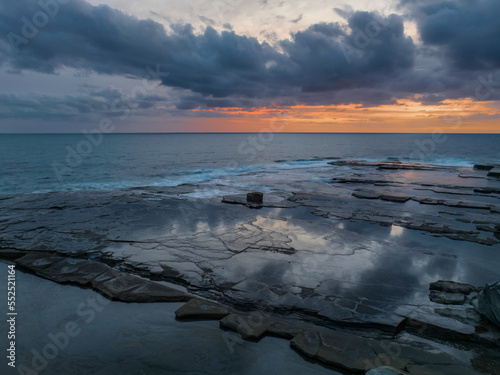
(60, 162)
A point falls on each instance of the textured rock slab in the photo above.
(467, 204)
(356, 354)
(398, 198)
(307, 343)
(387, 322)
(495, 172)
(286, 330)
(489, 303)
(487, 190)
(201, 309)
(255, 197)
(71, 270)
(113, 284)
(366, 195)
(110, 282)
(155, 292)
(8, 254)
(452, 287)
(445, 298)
(466, 316)
(346, 351)
(484, 167)
(445, 329)
(269, 200)
(36, 261)
(255, 326)
(249, 326)
(488, 333)
(417, 358)
(130, 288)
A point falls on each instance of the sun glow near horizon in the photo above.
(406, 116)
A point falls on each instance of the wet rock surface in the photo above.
(450, 292)
(495, 172)
(360, 253)
(453, 287)
(355, 354)
(248, 326)
(201, 309)
(445, 195)
(488, 303)
(111, 283)
(255, 197)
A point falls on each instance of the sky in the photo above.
(412, 66)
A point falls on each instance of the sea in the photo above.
(40, 163)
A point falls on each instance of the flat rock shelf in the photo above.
(377, 270)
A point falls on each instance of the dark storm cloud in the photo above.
(195, 100)
(467, 32)
(108, 41)
(327, 58)
(105, 102)
(368, 61)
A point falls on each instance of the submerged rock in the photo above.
(488, 303)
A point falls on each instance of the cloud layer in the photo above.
(368, 60)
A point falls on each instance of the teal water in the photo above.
(58, 162)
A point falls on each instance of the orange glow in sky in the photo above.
(407, 116)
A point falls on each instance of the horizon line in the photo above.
(116, 133)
